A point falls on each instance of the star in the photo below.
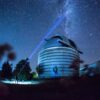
(91, 34)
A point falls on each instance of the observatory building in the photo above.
(57, 58)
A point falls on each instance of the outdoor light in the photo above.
(21, 82)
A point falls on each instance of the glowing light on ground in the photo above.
(21, 82)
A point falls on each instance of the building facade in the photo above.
(58, 58)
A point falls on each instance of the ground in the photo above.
(71, 89)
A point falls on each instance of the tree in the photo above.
(6, 50)
(6, 72)
(11, 56)
(0, 75)
(39, 69)
(22, 70)
(34, 75)
(75, 64)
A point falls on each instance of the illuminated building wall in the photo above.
(57, 58)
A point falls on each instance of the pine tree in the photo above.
(6, 50)
(22, 70)
(6, 72)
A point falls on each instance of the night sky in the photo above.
(24, 22)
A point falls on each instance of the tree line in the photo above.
(22, 70)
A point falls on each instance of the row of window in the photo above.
(58, 48)
(63, 50)
(56, 55)
(55, 62)
(57, 52)
(57, 58)
(59, 74)
(46, 69)
(51, 65)
(69, 61)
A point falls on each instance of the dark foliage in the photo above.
(22, 70)
(6, 72)
(39, 69)
(82, 89)
(11, 56)
(5, 48)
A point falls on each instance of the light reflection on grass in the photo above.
(21, 82)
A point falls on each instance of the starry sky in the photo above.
(24, 22)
